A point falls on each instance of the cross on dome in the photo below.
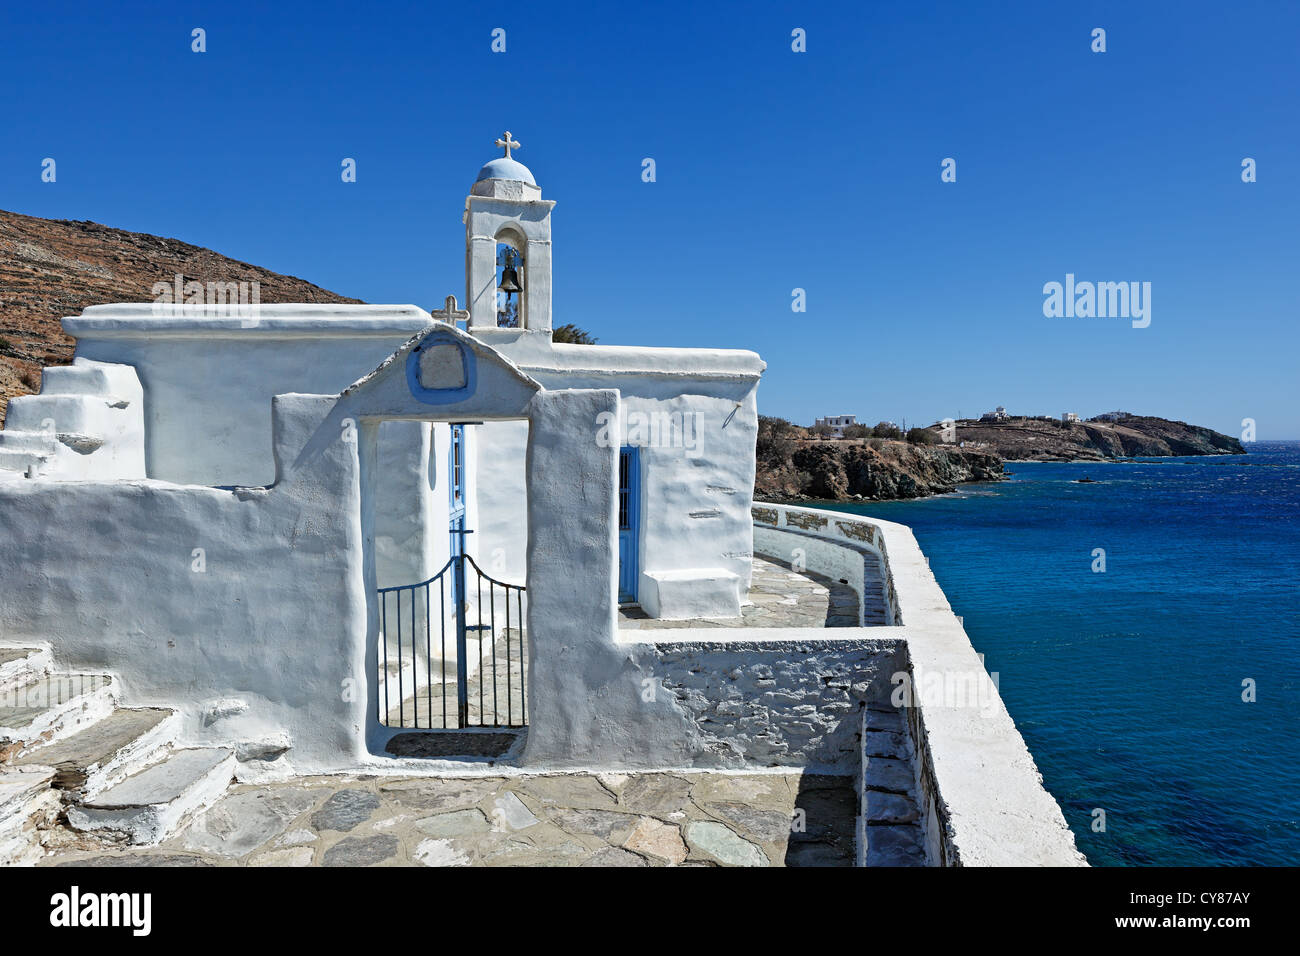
(507, 143)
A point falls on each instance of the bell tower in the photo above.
(508, 251)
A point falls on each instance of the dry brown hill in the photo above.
(50, 268)
(1050, 439)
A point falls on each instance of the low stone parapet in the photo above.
(980, 795)
(842, 547)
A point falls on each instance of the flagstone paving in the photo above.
(582, 819)
(779, 596)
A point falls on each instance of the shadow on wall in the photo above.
(822, 826)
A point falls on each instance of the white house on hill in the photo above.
(836, 423)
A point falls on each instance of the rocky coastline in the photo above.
(795, 465)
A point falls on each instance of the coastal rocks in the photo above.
(793, 466)
(869, 471)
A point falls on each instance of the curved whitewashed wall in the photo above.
(838, 548)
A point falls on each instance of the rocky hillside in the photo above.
(1042, 439)
(792, 466)
(50, 268)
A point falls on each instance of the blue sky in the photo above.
(776, 170)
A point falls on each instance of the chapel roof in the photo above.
(505, 168)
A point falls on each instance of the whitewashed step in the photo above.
(36, 443)
(51, 707)
(20, 461)
(65, 414)
(21, 665)
(84, 377)
(147, 807)
(108, 750)
(26, 804)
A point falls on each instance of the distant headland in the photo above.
(838, 459)
(1106, 437)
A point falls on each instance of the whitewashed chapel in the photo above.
(251, 540)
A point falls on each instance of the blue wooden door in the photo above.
(456, 506)
(629, 521)
(457, 529)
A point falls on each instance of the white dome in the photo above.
(505, 168)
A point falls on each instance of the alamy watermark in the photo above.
(1102, 300)
(75, 909)
(241, 300)
(651, 430)
(973, 688)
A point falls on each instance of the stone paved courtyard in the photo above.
(779, 597)
(645, 819)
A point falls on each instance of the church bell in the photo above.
(510, 280)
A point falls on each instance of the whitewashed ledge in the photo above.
(275, 320)
(982, 797)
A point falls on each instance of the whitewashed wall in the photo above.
(192, 594)
(405, 545)
(694, 500)
(499, 490)
(209, 374)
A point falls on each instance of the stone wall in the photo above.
(940, 848)
(980, 794)
(781, 702)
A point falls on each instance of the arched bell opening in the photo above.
(511, 272)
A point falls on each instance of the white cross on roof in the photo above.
(507, 143)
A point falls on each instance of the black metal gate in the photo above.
(462, 619)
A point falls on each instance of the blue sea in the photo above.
(1127, 683)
